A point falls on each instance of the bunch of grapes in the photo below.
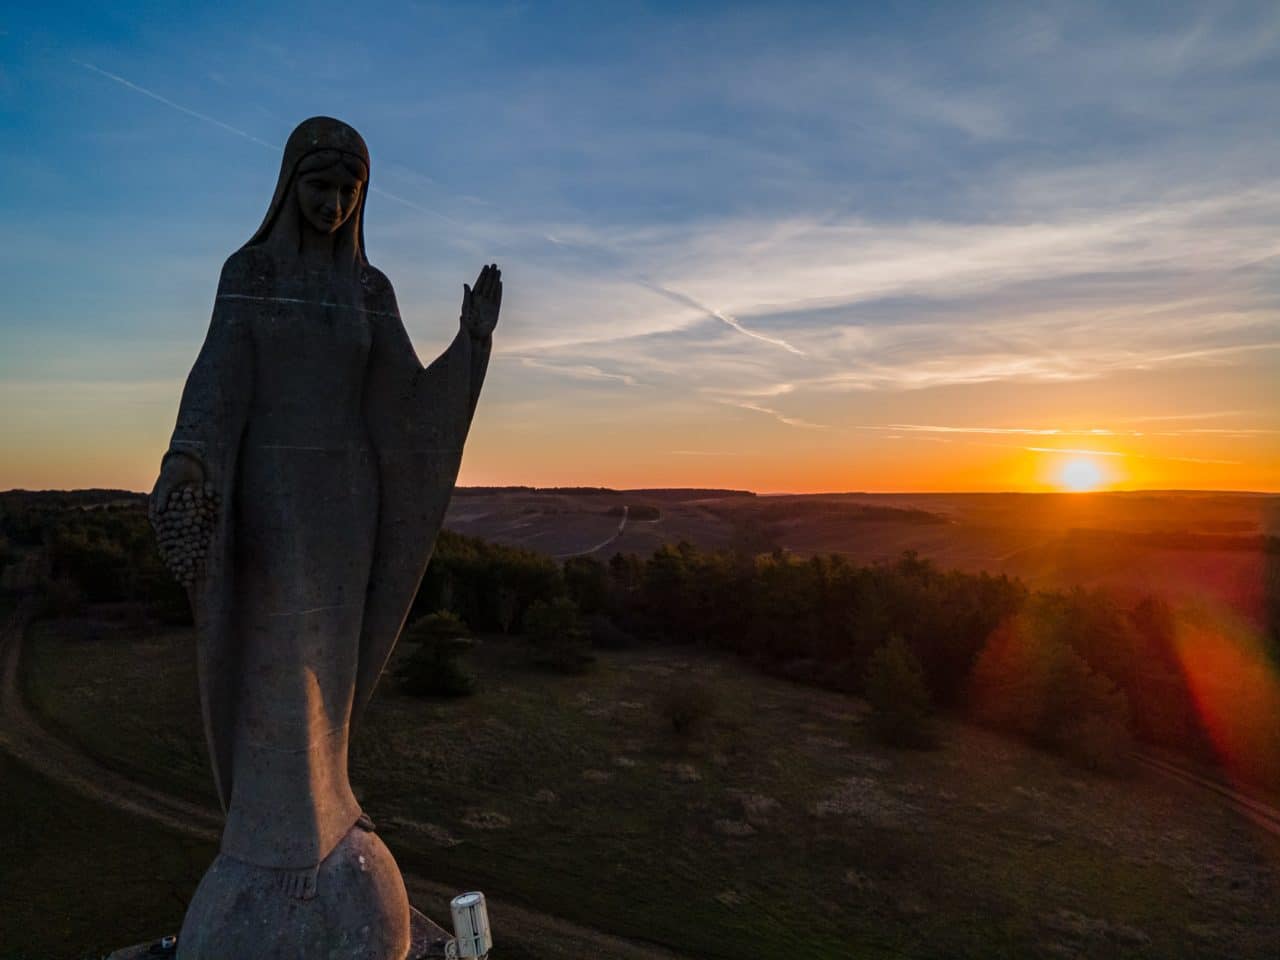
(184, 527)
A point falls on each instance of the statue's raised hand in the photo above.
(480, 304)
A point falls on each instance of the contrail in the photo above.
(243, 133)
(675, 296)
(780, 417)
(177, 106)
(415, 206)
(666, 292)
(756, 336)
(688, 301)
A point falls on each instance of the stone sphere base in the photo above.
(360, 910)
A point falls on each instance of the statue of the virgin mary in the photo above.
(330, 453)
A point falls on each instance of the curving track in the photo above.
(25, 740)
(612, 538)
(1263, 814)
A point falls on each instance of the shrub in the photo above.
(426, 673)
(489, 585)
(688, 706)
(432, 669)
(505, 605)
(899, 700)
(443, 625)
(587, 582)
(1101, 743)
(556, 636)
(1036, 685)
(604, 634)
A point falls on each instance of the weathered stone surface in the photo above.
(360, 910)
(306, 480)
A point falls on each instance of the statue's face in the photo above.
(328, 197)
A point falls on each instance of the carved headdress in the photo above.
(329, 141)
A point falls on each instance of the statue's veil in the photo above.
(318, 134)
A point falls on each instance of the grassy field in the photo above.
(779, 831)
(79, 880)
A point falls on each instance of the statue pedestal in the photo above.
(352, 907)
(426, 941)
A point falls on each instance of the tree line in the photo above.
(1077, 670)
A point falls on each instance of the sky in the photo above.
(782, 247)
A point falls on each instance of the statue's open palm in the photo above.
(480, 304)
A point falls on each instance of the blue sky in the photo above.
(777, 246)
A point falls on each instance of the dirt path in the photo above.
(622, 526)
(25, 740)
(1263, 814)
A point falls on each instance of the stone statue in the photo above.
(307, 478)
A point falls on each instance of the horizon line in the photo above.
(764, 493)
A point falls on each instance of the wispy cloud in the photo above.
(815, 279)
(1223, 431)
(978, 302)
(1203, 415)
(580, 371)
(995, 431)
(950, 232)
(1077, 450)
(1137, 456)
(780, 417)
(764, 390)
(918, 428)
(1198, 460)
(724, 318)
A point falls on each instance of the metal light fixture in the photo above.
(471, 935)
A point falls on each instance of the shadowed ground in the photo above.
(91, 861)
(571, 796)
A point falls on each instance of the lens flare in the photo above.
(1234, 684)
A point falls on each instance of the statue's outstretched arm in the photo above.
(453, 380)
(418, 420)
(474, 342)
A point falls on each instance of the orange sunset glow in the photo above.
(107, 437)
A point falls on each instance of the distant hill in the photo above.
(662, 493)
(1186, 546)
(53, 499)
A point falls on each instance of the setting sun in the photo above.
(1080, 475)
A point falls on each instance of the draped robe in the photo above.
(334, 453)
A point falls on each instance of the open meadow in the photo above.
(777, 827)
